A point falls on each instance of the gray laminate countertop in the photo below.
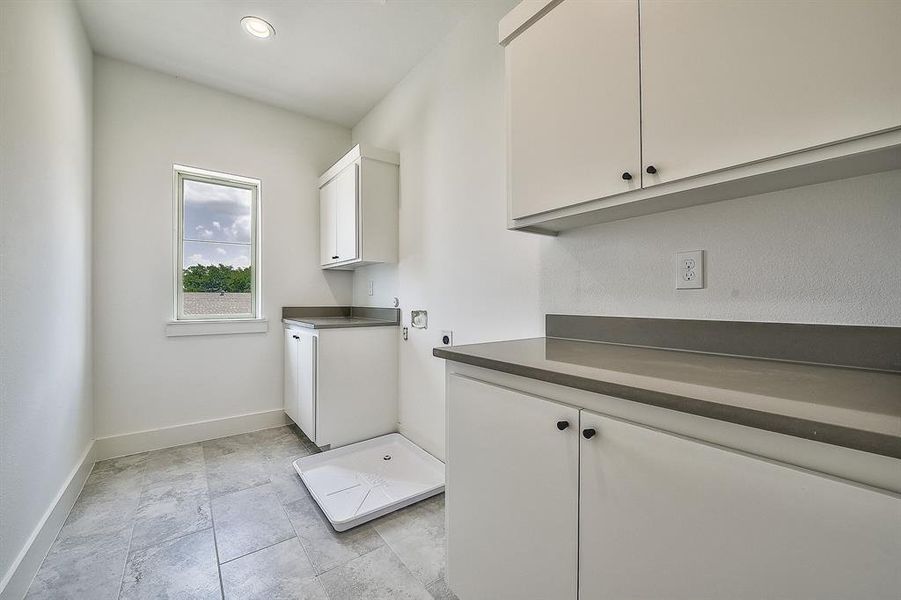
(337, 322)
(849, 407)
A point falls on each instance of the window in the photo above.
(217, 273)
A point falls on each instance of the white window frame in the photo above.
(221, 323)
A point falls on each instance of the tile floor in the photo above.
(230, 518)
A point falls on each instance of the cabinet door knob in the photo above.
(561, 425)
(627, 176)
(588, 433)
(334, 257)
(651, 169)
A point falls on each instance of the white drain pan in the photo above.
(363, 481)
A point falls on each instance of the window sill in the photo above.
(216, 327)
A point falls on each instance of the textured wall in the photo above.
(827, 253)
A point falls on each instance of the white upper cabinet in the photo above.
(573, 102)
(358, 203)
(728, 82)
(346, 212)
(328, 229)
(624, 108)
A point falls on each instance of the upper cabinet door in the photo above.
(327, 224)
(573, 106)
(728, 82)
(347, 211)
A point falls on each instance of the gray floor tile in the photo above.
(151, 502)
(96, 527)
(249, 520)
(263, 437)
(227, 445)
(279, 572)
(78, 575)
(114, 484)
(183, 568)
(416, 534)
(236, 471)
(122, 466)
(286, 447)
(173, 463)
(175, 487)
(326, 547)
(288, 486)
(440, 591)
(170, 517)
(379, 575)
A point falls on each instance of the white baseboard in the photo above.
(166, 437)
(16, 581)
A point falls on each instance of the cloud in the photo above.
(217, 225)
(203, 232)
(221, 251)
(240, 262)
(197, 259)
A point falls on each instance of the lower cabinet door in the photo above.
(290, 392)
(663, 516)
(512, 494)
(306, 384)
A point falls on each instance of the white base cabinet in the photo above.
(341, 384)
(512, 494)
(662, 516)
(608, 509)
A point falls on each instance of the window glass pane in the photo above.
(216, 279)
(216, 212)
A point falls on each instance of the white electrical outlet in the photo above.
(690, 270)
(370, 287)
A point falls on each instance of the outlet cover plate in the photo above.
(690, 270)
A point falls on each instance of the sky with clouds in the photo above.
(217, 224)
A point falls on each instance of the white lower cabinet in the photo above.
(292, 401)
(512, 494)
(662, 516)
(611, 509)
(300, 380)
(341, 384)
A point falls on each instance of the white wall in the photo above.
(826, 253)
(45, 266)
(145, 122)
(446, 118)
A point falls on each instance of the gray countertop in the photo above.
(336, 317)
(849, 407)
(337, 322)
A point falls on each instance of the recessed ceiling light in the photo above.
(257, 27)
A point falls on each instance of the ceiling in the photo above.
(333, 60)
